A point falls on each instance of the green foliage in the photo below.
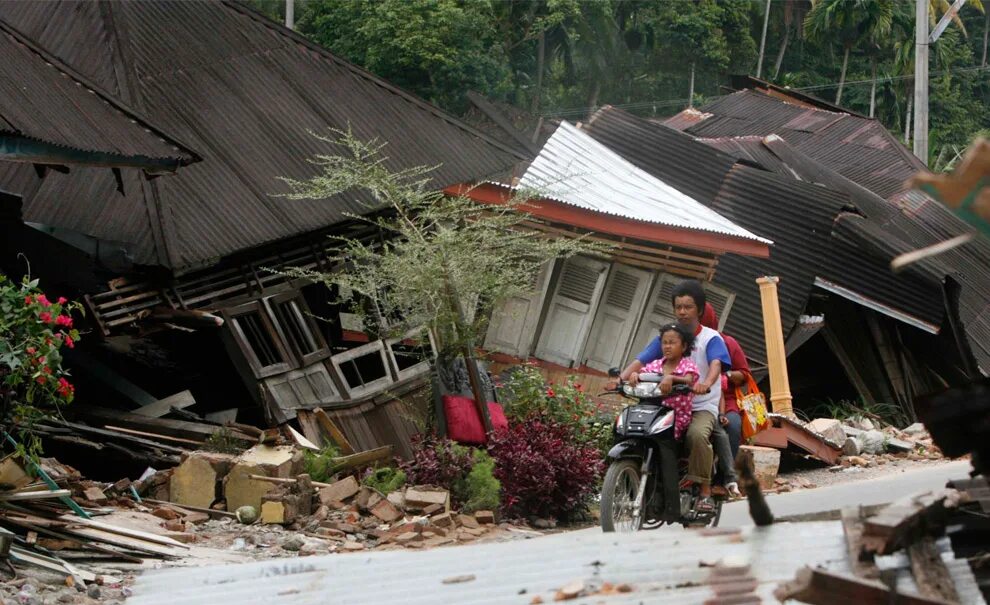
(386, 479)
(480, 490)
(438, 251)
(526, 395)
(319, 465)
(33, 331)
(223, 441)
(845, 409)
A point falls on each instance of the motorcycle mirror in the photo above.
(614, 372)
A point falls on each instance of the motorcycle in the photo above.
(632, 495)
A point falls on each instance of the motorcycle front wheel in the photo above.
(619, 491)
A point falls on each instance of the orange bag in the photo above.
(752, 409)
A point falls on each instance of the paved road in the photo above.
(879, 490)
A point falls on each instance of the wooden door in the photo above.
(513, 326)
(617, 316)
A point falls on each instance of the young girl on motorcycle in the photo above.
(677, 368)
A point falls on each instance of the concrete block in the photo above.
(339, 491)
(830, 428)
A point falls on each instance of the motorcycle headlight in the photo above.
(620, 420)
(662, 423)
(643, 390)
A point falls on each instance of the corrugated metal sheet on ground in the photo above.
(663, 566)
(43, 100)
(574, 168)
(245, 92)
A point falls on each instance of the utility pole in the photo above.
(691, 88)
(921, 81)
(290, 14)
(763, 40)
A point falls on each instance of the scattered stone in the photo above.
(438, 541)
(872, 442)
(433, 509)
(851, 431)
(899, 445)
(350, 545)
(194, 481)
(485, 517)
(184, 537)
(165, 513)
(851, 447)
(330, 532)
(293, 543)
(766, 461)
(398, 499)
(857, 461)
(422, 497)
(95, 494)
(386, 511)
(570, 591)
(830, 428)
(468, 521)
(916, 429)
(176, 525)
(407, 537)
(539, 523)
(246, 514)
(339, 491)
(443, 520)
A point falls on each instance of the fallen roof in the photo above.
(246, 92)
(50, 114)
(858, 148)
(575, 169)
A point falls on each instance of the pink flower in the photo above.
(550, 393)
(31, 350)
(43, 301)
(41, 379)
(69, 342)
(63, 320)
(28, 300)
(62, 300)
(45, 316)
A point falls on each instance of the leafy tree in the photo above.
(438, 251)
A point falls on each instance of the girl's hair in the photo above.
(686, 336)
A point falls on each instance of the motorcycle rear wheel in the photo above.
(619, 490)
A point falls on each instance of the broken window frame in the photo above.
(366, 388)
(231, 317)
(418, 368)
(305, 322)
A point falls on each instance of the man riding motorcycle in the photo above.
(712, 357)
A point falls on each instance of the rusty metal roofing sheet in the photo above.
(664, 566)
(246, 93)
(574, 168)
(43, 100)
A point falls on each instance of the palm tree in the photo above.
(794, 13)
(849, 22)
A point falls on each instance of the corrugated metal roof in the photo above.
(44, 100)
(663, 566)
(574, 168)
(245, 92)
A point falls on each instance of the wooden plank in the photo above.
(124, 531)
(162, 426)
(774, 437)
(214, 514)
(119, 429)
(161, 407)
(902, 523)
(362, 458)
(18, 496)
(331, 428)
(861, 561)
(55, 564)
(82, 428)
(820, 587)
(310, 427)
(930, 573)
(61, 536)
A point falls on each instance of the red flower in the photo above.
(45, 316)
(41, 379)
(62, 300)
(65, 388)
(63, 320)
(28, 300)
(43, 300)
(550, 392)
(31, 350)
(69, 342)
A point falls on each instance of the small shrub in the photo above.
(386, 480)
(482, 491)
(543, 471)
(319, 465)
(439, 462)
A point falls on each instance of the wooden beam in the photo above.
(860, 560)
(930, 573)
(214, 514)
(162, 407)
(163, 426)
(118, 429)
(362, 458)
(331, 428)
(820, 587)
(902, 523)
(310, 427)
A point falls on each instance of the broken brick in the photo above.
(166, 513)
(443, 520)
(485, 517)
(339, 491)
(468, 521)
(386, 511)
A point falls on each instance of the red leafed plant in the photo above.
(544, 470)
(436, 461)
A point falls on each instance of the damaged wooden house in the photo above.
(179, 273)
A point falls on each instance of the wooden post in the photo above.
(780, 388)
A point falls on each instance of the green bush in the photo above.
(481, 490)
(319, 465)
(386, 480)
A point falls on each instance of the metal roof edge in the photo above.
(876, 306)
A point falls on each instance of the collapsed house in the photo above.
(180, 274)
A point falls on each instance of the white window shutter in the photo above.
(620, 308)
(513, 326)
(572, 308)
